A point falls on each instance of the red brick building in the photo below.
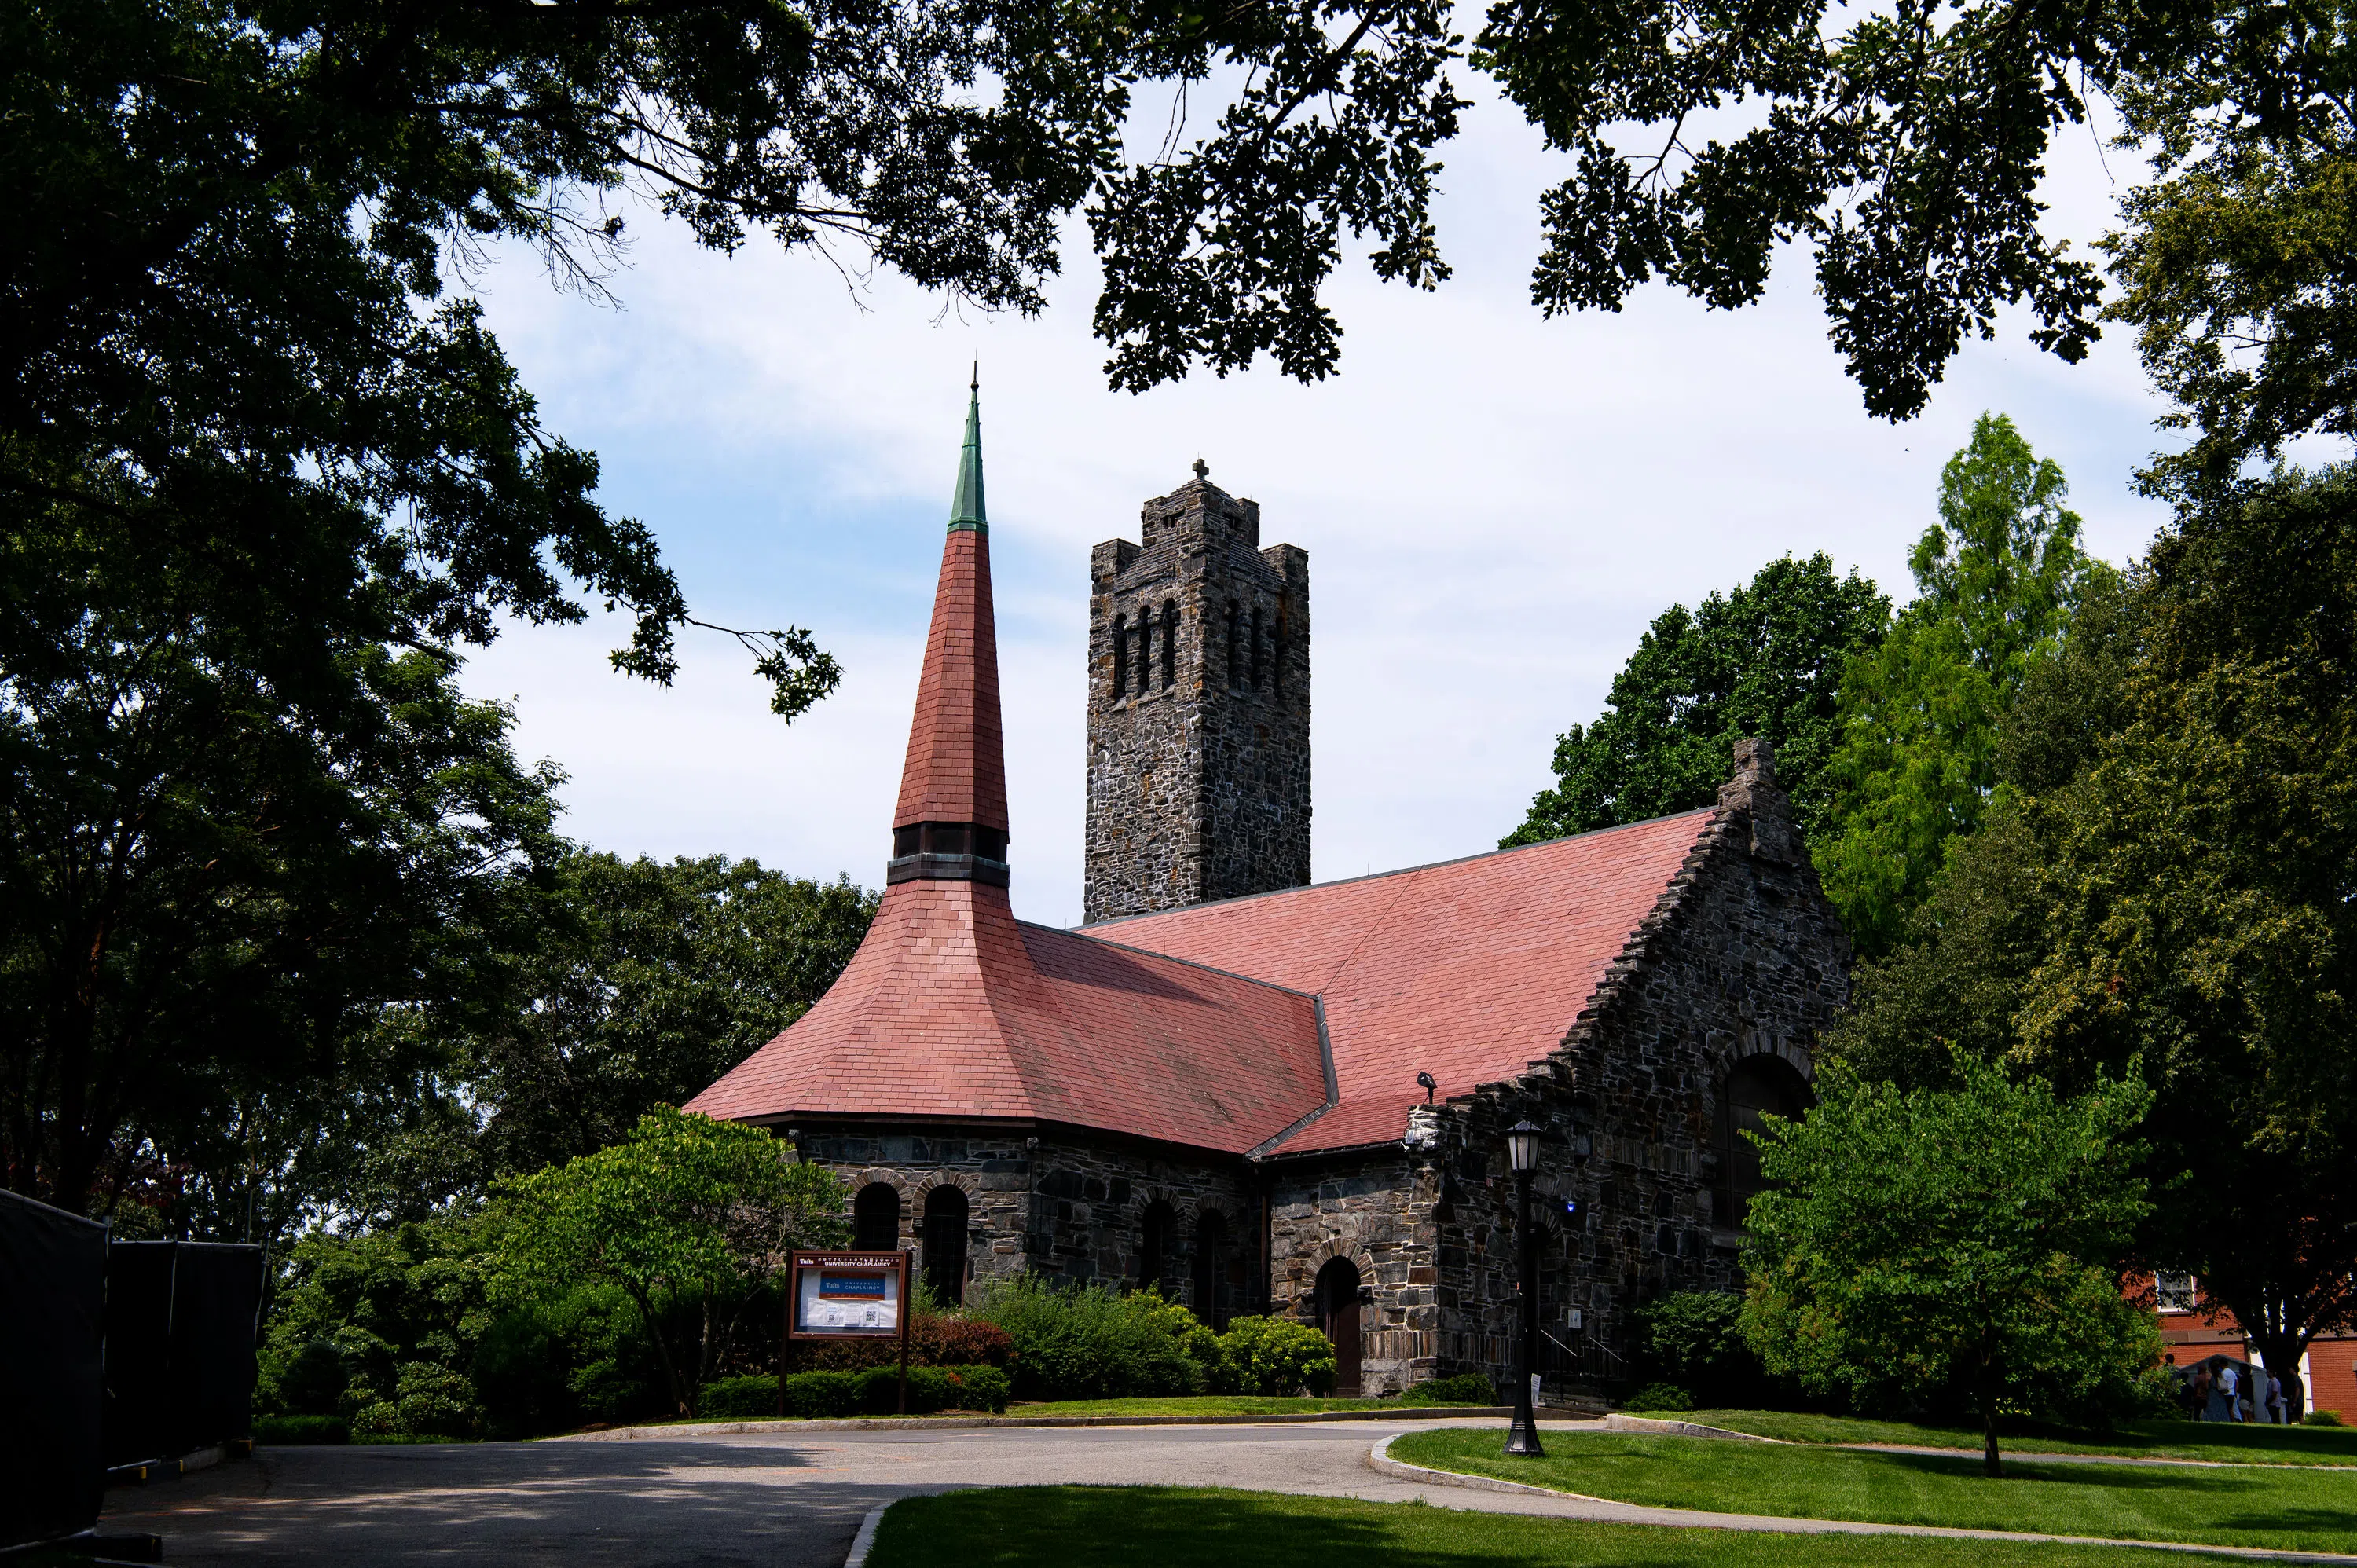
(1294, 1100)
(2194, 1328)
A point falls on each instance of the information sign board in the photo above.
(848, 1295)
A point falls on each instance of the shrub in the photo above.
(435, 1402)
(1088, 1343)
(378, 1422)
(879, 1389)
(979, 1387)
(1465, 1388)
(2323, 1418)
(1658, 1396)
(813, 1395)
(1276, 1356)
(283, 1430)
(740, 1399)
(933, 1341)
(1694, 1339)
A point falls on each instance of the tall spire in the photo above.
(951, 824)
(966, 510)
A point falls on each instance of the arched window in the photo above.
(1338, 1315)
(1145, 649)
(1756, 1086)
(1211, 1268)
(1120, 657)
(1169, 644)
(875, 1219)
(945, 1216)
(1236, 664)
(1257, 665)
(1154, 1244)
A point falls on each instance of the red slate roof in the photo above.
(1211, 1026)
(953, 1008)
(956, 770)
(1469, 970)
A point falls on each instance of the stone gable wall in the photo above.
(1199, 789)
(1742, 956)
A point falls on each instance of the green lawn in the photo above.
(1170, 1526)
(2309, 1511)
(2143, 1439)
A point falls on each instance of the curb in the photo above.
(865, 1541)
(1615, 1422)
(967, 1423)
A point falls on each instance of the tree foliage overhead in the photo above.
(1764, 660)
(2238, 267)
(1997, 577)
(1955, 1242)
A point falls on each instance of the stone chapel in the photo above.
(1265, 1095)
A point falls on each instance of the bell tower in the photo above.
(1198, 709)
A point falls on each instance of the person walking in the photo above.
(2200, 1384)
(2276, 1411)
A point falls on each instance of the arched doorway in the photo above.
(1211, 1268)
(876, 1218)
(1154, 1234)
(1338, 1315)
(945, 1216)
(1756, 1086)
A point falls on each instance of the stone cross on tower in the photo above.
(1198, 709)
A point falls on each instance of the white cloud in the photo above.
(1494, 507)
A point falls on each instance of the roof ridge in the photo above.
(1087, 927)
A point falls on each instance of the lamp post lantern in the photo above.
(1522, 1154)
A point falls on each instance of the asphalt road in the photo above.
(766, 1501)
(778, 1500)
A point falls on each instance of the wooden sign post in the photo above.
(848, 1295)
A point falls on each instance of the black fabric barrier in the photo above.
(52, 1371)
(181, 1318)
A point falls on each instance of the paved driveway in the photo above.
(766, 1501)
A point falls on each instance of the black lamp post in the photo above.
(1523, 1153)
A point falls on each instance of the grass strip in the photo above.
(2218, 1441)
(2306, 1511)
(1194, 1527)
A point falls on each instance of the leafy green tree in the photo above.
(212, 884)
(2201, 913)
(1997, 577)
(1764, 660)
(649, 981)
(1926, 1242)
(687, 1212)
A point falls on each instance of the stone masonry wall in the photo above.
(1742, 957)
(1199, 710)
(1068, 1209)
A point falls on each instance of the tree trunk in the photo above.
(1988, 1423)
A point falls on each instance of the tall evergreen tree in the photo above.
(1997, 577)
(1762, 660)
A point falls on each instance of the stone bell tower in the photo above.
(1198, 709)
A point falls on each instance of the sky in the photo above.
(1495, 506)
